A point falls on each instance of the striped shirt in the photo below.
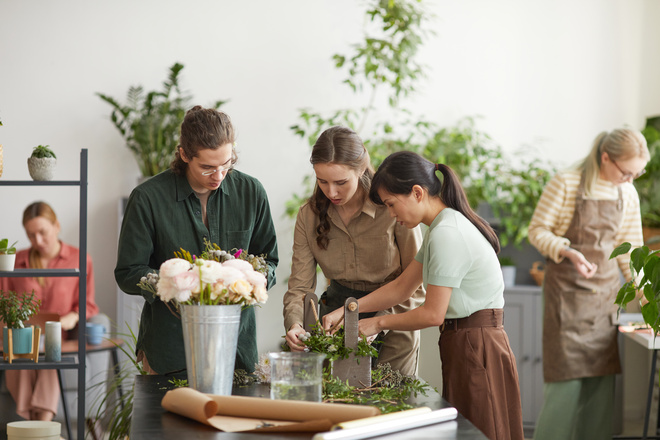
(555, 209)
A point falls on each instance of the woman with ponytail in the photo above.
(458, 266)
(582, 215)
(354, 242)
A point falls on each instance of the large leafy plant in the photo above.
(150, 121)
(644, 263)
(648, 185)
(17, 307)
(385, 63)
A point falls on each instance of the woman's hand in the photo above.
(331, 319)
(369, 327)
(582, 265)
(69, 320)
(293, 338)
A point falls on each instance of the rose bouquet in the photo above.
(216, 277)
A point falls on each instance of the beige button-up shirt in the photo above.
(368, 253)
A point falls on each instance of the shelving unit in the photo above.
(67, 362)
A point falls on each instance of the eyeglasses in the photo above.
(222, 171)
(625, 175)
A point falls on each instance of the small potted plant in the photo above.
(508, 270)
(41, 164)
(15, 308)
(7, 255)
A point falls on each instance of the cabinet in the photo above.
(523, 322)
(81, 273)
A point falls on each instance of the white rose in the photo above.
(242, 288)
(173, 267)
(178, 287)
(217, 290)
(229, 275)
(260, 294)
(241, 265)
(209, 271)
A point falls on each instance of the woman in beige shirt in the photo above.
(356, 243)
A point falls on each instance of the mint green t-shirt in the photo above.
(455, 254)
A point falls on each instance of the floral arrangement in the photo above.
(216, 277)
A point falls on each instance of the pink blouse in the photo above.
(59, 294)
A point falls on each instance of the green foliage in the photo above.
(5, 248)
(17, 307)
(43, 151)
(648, 185)
(511, 187)
(150, 122)
(333, 345)
(388, 392)
(506, 261)
(642, 259)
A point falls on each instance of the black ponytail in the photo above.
(402, 170)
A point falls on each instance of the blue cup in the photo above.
(94, 333)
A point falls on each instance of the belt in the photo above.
(482, 318)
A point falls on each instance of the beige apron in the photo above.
(579, 339)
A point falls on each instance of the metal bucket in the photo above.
(210, 338)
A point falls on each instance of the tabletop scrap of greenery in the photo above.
(332, 345)
(388, 392)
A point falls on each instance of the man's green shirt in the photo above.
(162, 216)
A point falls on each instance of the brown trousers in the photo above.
(479, 374)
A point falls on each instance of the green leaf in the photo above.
(621, 249)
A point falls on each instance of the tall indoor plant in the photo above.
(385, 63)
(150, 121)
(648, 185)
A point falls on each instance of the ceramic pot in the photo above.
(22, 340)
(509, 275)
(41, 168)
(7, 262)
(210, 339)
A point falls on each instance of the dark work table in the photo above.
(150, 421)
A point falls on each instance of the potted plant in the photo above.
(150, 122)
(41, 164)
(642, 259)
(7, 255)
(648, 185)
(508, 270)
(15, 308)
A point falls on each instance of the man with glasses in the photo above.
(201, 197)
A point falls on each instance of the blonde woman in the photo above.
(37, 392)
(583, 214)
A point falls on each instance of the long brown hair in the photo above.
(38, 209)
(203, 128)
(342, 146)
(402, 170)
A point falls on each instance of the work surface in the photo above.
(151, 421)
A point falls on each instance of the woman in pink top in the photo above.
(36, 392)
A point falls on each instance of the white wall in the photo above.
(548, 73)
